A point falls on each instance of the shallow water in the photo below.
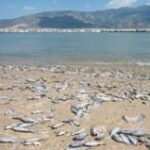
(75, 47)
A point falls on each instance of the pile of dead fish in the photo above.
(130, 136)
(80, 109)
(79, 138)
(25, 127)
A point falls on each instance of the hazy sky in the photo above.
(15, 8)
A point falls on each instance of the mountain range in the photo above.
(138, 17)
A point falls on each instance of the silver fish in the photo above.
(22, 125)
(26, 119)
(76, 123)
(117, 138)
(94, 131)
(58, 125)
(10, 126)
(8, 139)
(77, 111)
(78, 132)
(134, 119)
(100, 136)
(33, 141)
(25, 125)
(22, 129)
(61, 133)
(76, 144)
(133, 139)
(135, 132)
(71, 122)
(34, 98)
(92, 144)
(80, 136)
(125, 139)
(114, 131)
(68, 120)
(139, 132)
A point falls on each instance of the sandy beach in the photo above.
(57, 101)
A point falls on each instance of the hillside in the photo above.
(113, 18)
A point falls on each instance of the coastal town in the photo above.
(59, 30)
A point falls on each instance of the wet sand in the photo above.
(16, 84)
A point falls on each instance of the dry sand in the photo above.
(106, 116)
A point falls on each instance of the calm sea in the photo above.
(75, 47)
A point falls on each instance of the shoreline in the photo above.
(84, 30)
(43, 63)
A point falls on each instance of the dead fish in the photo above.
(77, 111)
(76, 123)
(114, 131)
(76, 144)
(135, 132)
(80, 136)
(61, 133)
(78, 132)
(33, 141)
(30, 80)
(10, 126)
(71, 122)
(96, 100)
(92, 144)
(58, 125)
(133, 139)
(93, 131)
(97, 134)
(100, 136)
(125, 139)
(23, 125)
(21, 129)
(26, 119)
(56, 100)
(68, 120)
(8, 139)
(117, 138)
(34, 98)
(135, 119)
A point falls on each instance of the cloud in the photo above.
(148, 3)
(29, 8)
(120, 3)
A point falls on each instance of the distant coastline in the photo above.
(82, 30)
